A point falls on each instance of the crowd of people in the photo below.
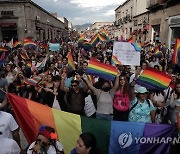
(122, 99)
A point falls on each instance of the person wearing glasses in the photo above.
(46, 142)
(75, 94)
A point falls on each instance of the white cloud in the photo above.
(109, 13)
(95, 3)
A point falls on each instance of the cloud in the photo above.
(82, 11)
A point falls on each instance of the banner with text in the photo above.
(126, 53)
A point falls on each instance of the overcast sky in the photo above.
(82, 11)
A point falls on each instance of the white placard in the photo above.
(126, 53)
(89, 107)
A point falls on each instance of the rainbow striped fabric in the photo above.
(17, 44)
(154, 79)
(94, 40)
(2, 49)
(113, 137)
(101, 37)
(176, 54)
(136, 46)
(158, 53)
(115, 61)
(71, 61)
(102, 70)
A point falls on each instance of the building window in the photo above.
(7, 13)
(135, 22)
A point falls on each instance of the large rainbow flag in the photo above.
(176, 54)
(94, 40)
(154, 79)
(113, 137)
(115, 61)
(102, 70)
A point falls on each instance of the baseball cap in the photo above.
(141, 90)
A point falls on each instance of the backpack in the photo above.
(120, 102)
(137, 104)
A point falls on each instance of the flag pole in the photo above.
(3, 91)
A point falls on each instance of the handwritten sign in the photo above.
(126, 53)
(89, 107)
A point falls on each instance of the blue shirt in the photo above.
(141, 112)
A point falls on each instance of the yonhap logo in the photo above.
(125, 140)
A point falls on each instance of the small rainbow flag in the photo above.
(2, 49)
(31, 81)
(158, 53)
(115, 61)
(71, 61)
(176, 54)
(29, 64)
(102, 70)
(154, 79)
(94, 40)
(17, 44)
(136, 46)
(30, 45)
(91, 79)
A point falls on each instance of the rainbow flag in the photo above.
(42, 64)
(31, 81)
(146, 44)
(24, 55)
(2, 49)
(113, 137)
(17, 44)
(115, 61)
(71, 61)
(176, 54)
(94, 40)
(136, 46)
(154, 79)
(130, 40)
(81, 38)
(2, 58)
(104, 33)
(102, 70)
(86, 45)
(30, 45)
(102, 38)
(158, 53)
(91, 79)
(29, 64)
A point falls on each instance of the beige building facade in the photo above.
(23, 18)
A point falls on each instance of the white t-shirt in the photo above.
(51, 149)
(9, 146)
(7, 125)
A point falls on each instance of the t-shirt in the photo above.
(51, 149)
(141, 112)
(7, 125)
(104, 101)
(9, 146)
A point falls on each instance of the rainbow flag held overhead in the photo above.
(24, 55)
(154, 79)
(158, 53)
(176, 54)
(2, 49)
(136, 46)
(94, 40)
(30, 45)
(81, 38)
(115, 61)
(130, 40)
(102, 70)
(91, 79)
(71, 61)
(101, 37)
(17, 44)
(41, 65)
(86, 45)
(113, 137)
(104, 33)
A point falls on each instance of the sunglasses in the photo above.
(73, 85)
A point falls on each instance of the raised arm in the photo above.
(116, 84)
(62, 87)
(89, 83)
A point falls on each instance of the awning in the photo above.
(8, 24)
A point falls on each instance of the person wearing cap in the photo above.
(141, 108)
(46, 142)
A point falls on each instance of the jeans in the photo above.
(104, 116)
